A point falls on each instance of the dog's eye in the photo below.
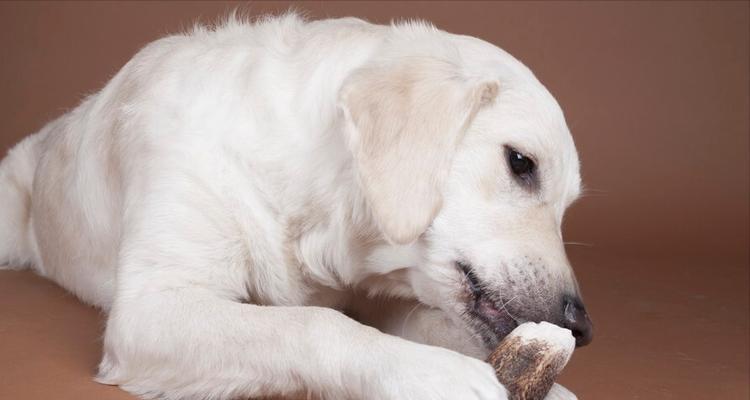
(521, 166)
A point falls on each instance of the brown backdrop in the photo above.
(656, 95)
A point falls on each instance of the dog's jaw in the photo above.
(485, 314)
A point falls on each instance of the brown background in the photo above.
(656, 95)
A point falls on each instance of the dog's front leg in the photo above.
(417, 322)
(187, 343)
(177, 329)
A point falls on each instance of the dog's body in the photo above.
(229, 190)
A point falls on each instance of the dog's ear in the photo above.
(404, 121)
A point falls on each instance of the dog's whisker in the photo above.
(504, 308)
(579, 244)
(590, 190)
(406, 320)
(588, 195)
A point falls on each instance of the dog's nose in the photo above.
(577, 320)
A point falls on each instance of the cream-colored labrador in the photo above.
(238, 200)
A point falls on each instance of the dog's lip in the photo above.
(471, 278)
(483, 308)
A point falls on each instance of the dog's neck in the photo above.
(329, 230)
(333, 237)
(339, 246)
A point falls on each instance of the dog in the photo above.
(329, 208)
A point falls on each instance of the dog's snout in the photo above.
(577, 320)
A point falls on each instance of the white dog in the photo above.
(238, 199)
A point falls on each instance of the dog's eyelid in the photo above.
(521, 150)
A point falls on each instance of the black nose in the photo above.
(577, 320)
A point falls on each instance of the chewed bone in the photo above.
(529, 359)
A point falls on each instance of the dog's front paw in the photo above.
(425, 372)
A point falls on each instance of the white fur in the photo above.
(230, 189)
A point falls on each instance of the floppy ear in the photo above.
(405, 122)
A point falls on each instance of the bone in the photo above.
(529, 359)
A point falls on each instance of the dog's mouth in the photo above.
(486, 312)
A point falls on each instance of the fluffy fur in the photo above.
(232, 190)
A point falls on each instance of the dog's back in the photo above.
(63, 190)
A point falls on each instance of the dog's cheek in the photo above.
(435, 286)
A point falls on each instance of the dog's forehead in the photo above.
(527, 118)
(539, 129)
(554, 149)
(526, 115)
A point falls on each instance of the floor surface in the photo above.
(664, 330)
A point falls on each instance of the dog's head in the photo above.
(461, 152)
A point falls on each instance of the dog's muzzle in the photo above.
(492, 318)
